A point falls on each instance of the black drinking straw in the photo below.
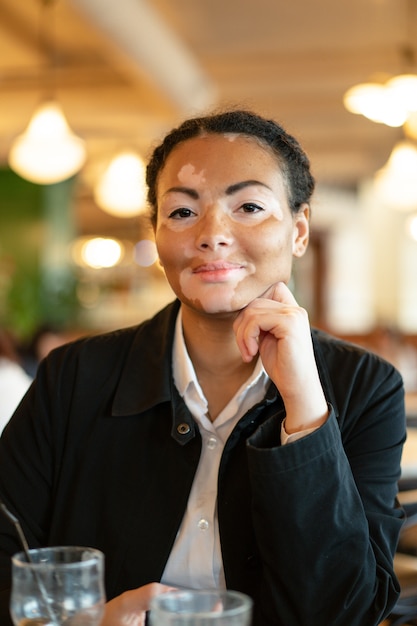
(13, 519)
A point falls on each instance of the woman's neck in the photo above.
(217, 361)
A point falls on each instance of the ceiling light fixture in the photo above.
(391, 103)
(101, 252)
(47, 151)
(121, 190)
(396, 182)
(395, 100)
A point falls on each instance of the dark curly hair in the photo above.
(293, 161)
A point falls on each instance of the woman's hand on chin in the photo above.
(277, 328)
(129, 609)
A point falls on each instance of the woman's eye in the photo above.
(250, 207)
(181, 213)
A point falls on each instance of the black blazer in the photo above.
(95, 455)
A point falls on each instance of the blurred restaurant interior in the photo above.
(77, 256)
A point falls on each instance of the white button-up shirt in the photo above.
(195, 560)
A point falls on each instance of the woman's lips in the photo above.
(217, 272)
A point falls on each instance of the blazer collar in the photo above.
(146, 377)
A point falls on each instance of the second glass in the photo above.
(201, 608)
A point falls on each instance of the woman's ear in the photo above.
(301, 230)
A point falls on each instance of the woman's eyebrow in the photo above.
(187, 190)
(192, 193)
(245, 183)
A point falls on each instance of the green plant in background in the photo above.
(32, 302)
(37, 281)
(22, 309)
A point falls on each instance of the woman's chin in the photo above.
(218, 307)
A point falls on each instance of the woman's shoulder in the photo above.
(346, 359)
(120, 339)
(332, 343)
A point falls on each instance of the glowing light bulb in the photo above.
(121, 191)
(101, 252)
(48, 151)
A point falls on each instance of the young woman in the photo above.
(224, 443)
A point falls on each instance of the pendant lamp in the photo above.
(47, 151)
(396, 182)
(121, 190)
(393, 101)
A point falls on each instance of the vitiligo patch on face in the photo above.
(232, 136)
(212, 299)
(190, 177)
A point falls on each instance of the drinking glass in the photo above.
(201, 608)
(56, 586)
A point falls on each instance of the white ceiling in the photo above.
(121, 82)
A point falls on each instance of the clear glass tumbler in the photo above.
(201, 608)
(58, 585)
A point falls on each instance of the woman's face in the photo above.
(224, 229)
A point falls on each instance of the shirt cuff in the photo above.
(286, 438)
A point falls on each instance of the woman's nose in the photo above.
(214, 230)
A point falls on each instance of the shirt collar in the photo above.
(186, 381)
(182, 367)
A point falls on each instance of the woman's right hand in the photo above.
(129, 609)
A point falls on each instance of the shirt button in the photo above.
(183, 429)
(211, 443)
(203, 524)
